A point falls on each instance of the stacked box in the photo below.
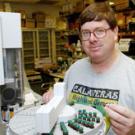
(38, 16)
(79, 6)
(23, 17)
(121, 4)
(23, 22)
(121, 19)
(40, 24)
(39, 19)
(50, 22)
(30, 23)
(1, 7)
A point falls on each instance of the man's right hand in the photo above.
(47, 96)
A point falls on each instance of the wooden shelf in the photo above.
(126, 34)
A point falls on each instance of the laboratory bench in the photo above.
(2, 129)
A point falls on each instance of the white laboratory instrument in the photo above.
(11, 69)
(41, 119)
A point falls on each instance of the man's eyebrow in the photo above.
(91, 30)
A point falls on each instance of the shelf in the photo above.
(60, 43)
(125, 10)
(44, 40)
(36, 45)
(126, 34)
(27, 56)
(26, 41)
(29, 62)
(28, 49)
(61, 37)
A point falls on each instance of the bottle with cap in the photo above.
(11, 112)
(5, 113)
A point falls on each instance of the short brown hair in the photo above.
(98, 11)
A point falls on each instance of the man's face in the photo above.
(100, 44)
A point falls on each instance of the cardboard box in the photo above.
(120, 19)
(39, 16)
(50, 22)
(23, 22)
(40, 24)
(120, 1)
(121, 4)
(30, 23)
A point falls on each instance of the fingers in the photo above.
(47, 96)
(121, 110)
(44, 98)
(117, 131)
(116, 125)
(116, 116)
(121, 129)
(122, 119)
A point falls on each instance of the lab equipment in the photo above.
(11, 69)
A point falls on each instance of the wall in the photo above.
(29, 8)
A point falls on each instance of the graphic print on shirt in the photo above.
(87, 95)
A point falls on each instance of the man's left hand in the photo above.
(122, 119)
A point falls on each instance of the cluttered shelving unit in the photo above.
(61, 41)
(36, 45)
(125, 14)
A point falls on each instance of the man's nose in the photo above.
(92, 37)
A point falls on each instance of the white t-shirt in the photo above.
(116, 85)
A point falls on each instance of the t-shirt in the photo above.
(116, 85)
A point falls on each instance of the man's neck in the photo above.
(105, 64)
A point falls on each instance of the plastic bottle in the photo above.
(5, 113)
(11, 112)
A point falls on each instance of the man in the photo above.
(106, 74)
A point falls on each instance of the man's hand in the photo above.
(47, 96)
(122, 119)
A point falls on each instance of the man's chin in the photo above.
(96, 58)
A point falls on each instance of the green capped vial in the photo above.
(94, 114)
(81, 130)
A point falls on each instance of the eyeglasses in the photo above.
(98, 33)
